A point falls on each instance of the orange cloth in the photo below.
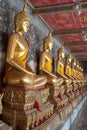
(48, 65)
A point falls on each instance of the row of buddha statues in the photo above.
(31, 97)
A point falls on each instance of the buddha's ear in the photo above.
(25, 7)
(27, 42)
(16, 27)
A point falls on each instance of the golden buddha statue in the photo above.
(78, 77)
(68, 70)
(45, 65)
(75, 81)
(68, 73)
(46, 69)
(73, 65)
(23, 86)
(60, 73)
(60, 63)
(18, 72)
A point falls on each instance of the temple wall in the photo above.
(38, 30)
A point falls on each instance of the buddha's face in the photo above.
(24, 26)
(69, 60)
(50, 44)
(74, 63)
(62, 54)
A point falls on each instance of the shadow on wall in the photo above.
(3, 49)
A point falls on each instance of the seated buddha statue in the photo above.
(60, 63)
(83, 81)
(68, 70)
(46, 69)
(46, 61)
(60, 67)
(75, 83)
(80, 78)
(80, 72)
(68, 73)
(60, 73)
(77, 76)
(18, 72)
(73, 66)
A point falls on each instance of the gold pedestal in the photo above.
(50, 124)
(77, 93)
(19, 108)
(65, 111)
(79, 98)
(53, 97)
(74, 102)
(71, 96)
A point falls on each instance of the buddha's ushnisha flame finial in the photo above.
(62, 48)
(69, 55)
(25, 7)
(50, 33)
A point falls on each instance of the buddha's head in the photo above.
(68, 58)
(81, 69)
(48, 42)
(77, 65)
(73, 63)
(22, 21)
(61, 52)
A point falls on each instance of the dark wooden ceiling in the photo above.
(61, 17)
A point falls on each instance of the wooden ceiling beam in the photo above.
(82, 59)
(81, 55)
(70, 31)
(75, 43)
(78, 51)
(58, 8)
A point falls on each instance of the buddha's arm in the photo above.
(66, 72)
(58, 70)
(57, 67)
(29, 68)
(73, 75)
(42, 62)
(10, 55)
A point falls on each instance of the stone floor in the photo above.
(81, 122)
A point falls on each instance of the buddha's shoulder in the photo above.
(44, 53)
(13, 35)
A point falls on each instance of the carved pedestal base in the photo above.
(79, 98)
(20, 110)
(84, 92)
(50, 124)
(65, 111)
(71, 97)
(77, 93)
(56, 97)
(81, 90)
(74, 103)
